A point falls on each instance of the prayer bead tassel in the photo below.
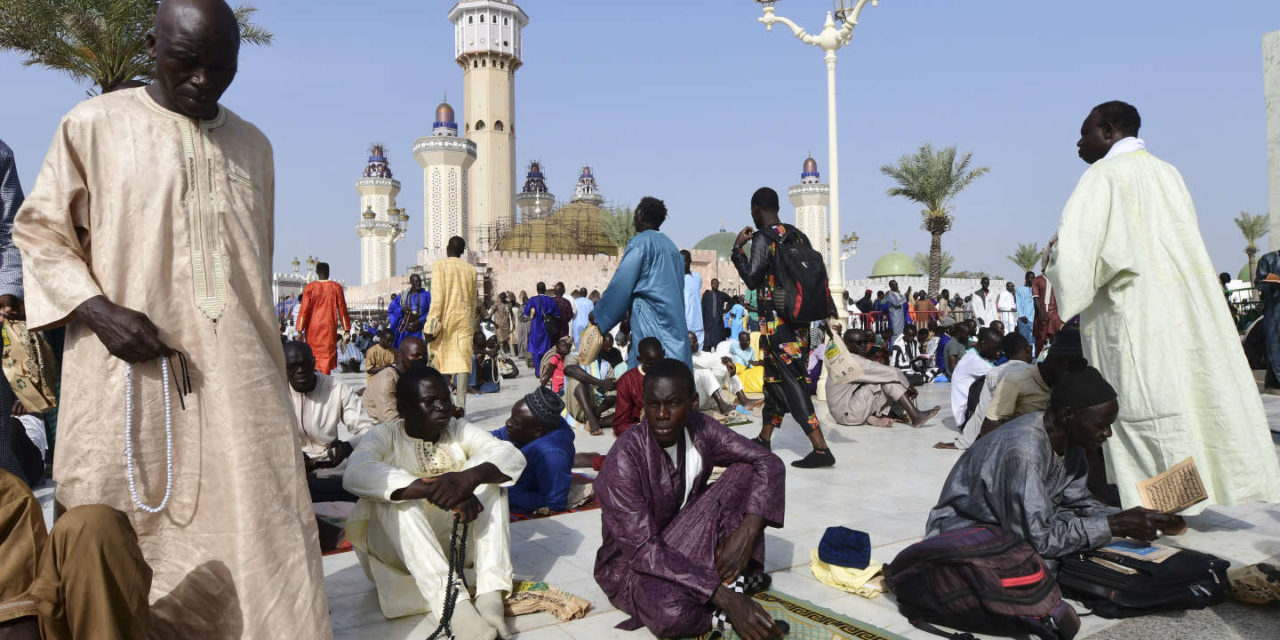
(168, 437)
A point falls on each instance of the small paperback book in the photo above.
(1174, 490)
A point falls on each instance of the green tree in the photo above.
(1252, 228)
(102, 42)
(619, 225)
(933, 179)
(922, 262)
(1026, 257)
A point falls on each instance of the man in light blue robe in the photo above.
(896, 305)
(584, 306)
(1025, 301)
(649, 282)
(692, 297)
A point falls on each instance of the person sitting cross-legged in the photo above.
(546, 440)
(1029, 477)
(631, 386)
(380, 355)
(551, 369)
(671, 541)
(413, 476)
(588, 389)
(715, 374)
(380, 396)
(875, 393)
(321, 403)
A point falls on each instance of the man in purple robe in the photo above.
(674, 547)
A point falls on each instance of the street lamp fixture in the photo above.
(830, 39)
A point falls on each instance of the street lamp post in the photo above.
(829, 40)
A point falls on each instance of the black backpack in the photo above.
(1118, 586)
(801, 293)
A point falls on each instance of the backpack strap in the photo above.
(928, 628)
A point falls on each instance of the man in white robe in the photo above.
(321, 404)
(1130, 261)
(150, 229)
(1007, 306)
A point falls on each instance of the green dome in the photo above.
(721, 243)
(894, 264)
(1244, 273)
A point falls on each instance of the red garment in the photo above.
(323, 308)
(1048, 323)
(630, 400)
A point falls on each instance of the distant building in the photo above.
(811, 198)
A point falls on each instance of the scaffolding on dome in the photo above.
(570, 229)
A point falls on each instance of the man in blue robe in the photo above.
(1024, 298)
(692, 297)
(406, 313)
(536, 311)
(546, 440)
(650, 282)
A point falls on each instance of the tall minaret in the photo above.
(381, 223)
(487, 45)
(445, 159)
(587, 190)
(810, 198)
(535, 201)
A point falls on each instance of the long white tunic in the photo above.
(173, 217)
(320, 412)
(1130, 261)
(403, 546)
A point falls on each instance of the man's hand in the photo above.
(743, 237)
(338, 451)
(127, 334)
(749, 619)
(1023, 319)
(609, 384)
(469, 509)
(591, 318)
(428, 337)
(450, 490)
(19, 409)
(1144, 524)
(12, 308)
(734, 552)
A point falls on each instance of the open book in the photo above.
(1174, 490)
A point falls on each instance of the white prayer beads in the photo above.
(168, 437)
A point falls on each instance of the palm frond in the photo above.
(1027, 256)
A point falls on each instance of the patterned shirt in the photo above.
(10, 200)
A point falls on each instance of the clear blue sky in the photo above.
(696, 103)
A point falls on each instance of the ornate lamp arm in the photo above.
(770, 17)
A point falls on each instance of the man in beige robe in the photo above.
(149, 230)
(451, 322)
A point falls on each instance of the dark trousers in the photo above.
(786, 378)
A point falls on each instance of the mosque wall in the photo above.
(1271, 80)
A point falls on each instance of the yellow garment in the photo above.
(452, 319)
(752, 379)
(174, 218)
(1130, 261)
(855, 581)
(377, 356)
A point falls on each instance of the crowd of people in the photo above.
(1057, 420)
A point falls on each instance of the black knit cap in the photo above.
(1067, 342)
(1080, 389)
(546, 405)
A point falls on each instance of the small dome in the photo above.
(810, 165)
(893, 264)
(721, 243)
(444, 113)
(368, 214)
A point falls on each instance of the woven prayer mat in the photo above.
(810, 622)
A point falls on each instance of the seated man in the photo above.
(485, 376)
(955, 347)
(85, 579)
(587, 391)
(552, 366)
(380, 395)
(1028, 388)
(546, 440)
(381, 355)
(631, 385)
(975, 363)
(712, 375)
(1029, 477)
(349, 355)
(741, 352)
(1019, 359)
(321, 404)
(875, 393)
(413, 476)
(671, 542)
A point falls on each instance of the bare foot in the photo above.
(884, 422)
(754, 404)
(924, 417)
(597, 432)
(945, 445)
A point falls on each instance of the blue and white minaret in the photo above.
(445, 159)
(811, 198)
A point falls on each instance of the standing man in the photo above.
(648, 282)
(785, 345)
(174, 193)
(566, 312)
(582, 308)
(1130, 261)
(1024, 299)
(715, 303)
(17, 454)
(1048, 322)
(896, 305)
(692, 299)
(1007, 306)
(1269, 265)
(541, 311)
(984, 304)
(322, 312)
(407, 311)
(503, 322)
(450, 328)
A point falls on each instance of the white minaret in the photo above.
(381, 223)
(535, 201)
(587, 190)
(810, 198)
(445, 159)
(487, 45)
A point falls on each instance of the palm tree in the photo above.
(933, 179)
(619, 225)
(1026, 257)
(922, 262)
(102, 42)
(1252, 227)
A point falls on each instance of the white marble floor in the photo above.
(884, 482)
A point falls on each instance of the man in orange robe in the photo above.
(323, 306)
